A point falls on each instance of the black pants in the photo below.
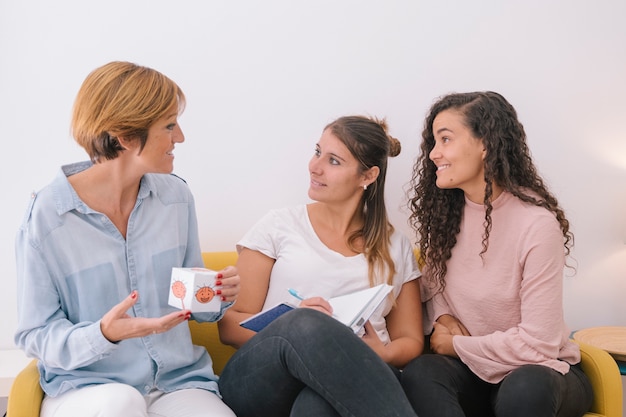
(306, 363)
(442, 386)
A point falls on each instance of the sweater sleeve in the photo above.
(540, 336)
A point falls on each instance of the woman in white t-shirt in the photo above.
(306, 362)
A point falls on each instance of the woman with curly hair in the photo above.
(493, 241)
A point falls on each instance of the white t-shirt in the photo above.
(304, 263)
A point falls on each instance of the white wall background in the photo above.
(263, 77)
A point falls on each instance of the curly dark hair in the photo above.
(436, 213)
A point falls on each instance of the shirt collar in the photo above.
(66, 198)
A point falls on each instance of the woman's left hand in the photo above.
(371, 339)
(228, 283)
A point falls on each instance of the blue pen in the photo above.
(295, 294)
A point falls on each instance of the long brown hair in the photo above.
(436, 213)
(368, 141)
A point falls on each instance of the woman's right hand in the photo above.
(117, 325)
(319, 304)
(454, 325)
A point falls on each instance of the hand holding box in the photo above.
(194, 289)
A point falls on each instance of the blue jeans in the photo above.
(306, 363)
(442, 386)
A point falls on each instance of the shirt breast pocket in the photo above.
(91, 293)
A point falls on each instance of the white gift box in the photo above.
(194, 289)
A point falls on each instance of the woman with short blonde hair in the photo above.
(95, 255)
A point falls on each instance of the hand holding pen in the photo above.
(316, 303)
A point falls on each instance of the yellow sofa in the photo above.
(26, 394)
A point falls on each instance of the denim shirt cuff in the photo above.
(99, 344)
(212, 317)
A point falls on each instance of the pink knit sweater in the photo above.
(511, 299)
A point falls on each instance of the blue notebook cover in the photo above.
(260, 320)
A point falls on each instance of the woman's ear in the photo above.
(126, 142)
(371, 174)
(483, 153)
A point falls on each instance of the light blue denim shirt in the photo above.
(73, 266)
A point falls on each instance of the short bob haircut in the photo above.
(121, 99)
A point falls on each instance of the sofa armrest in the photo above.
(26, 394)
(605, 378)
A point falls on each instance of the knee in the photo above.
(423, 370)
(303, 322)
(533, 386)
(308, 329)
(530, 378)
(105, 400)
(122, 399)
(427, 365)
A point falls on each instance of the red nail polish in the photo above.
(218, 292)
(218, 282)
(133, 295)
(223, 298)
(218, 276)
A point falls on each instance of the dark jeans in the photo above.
(442, 386)
(306, 363)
